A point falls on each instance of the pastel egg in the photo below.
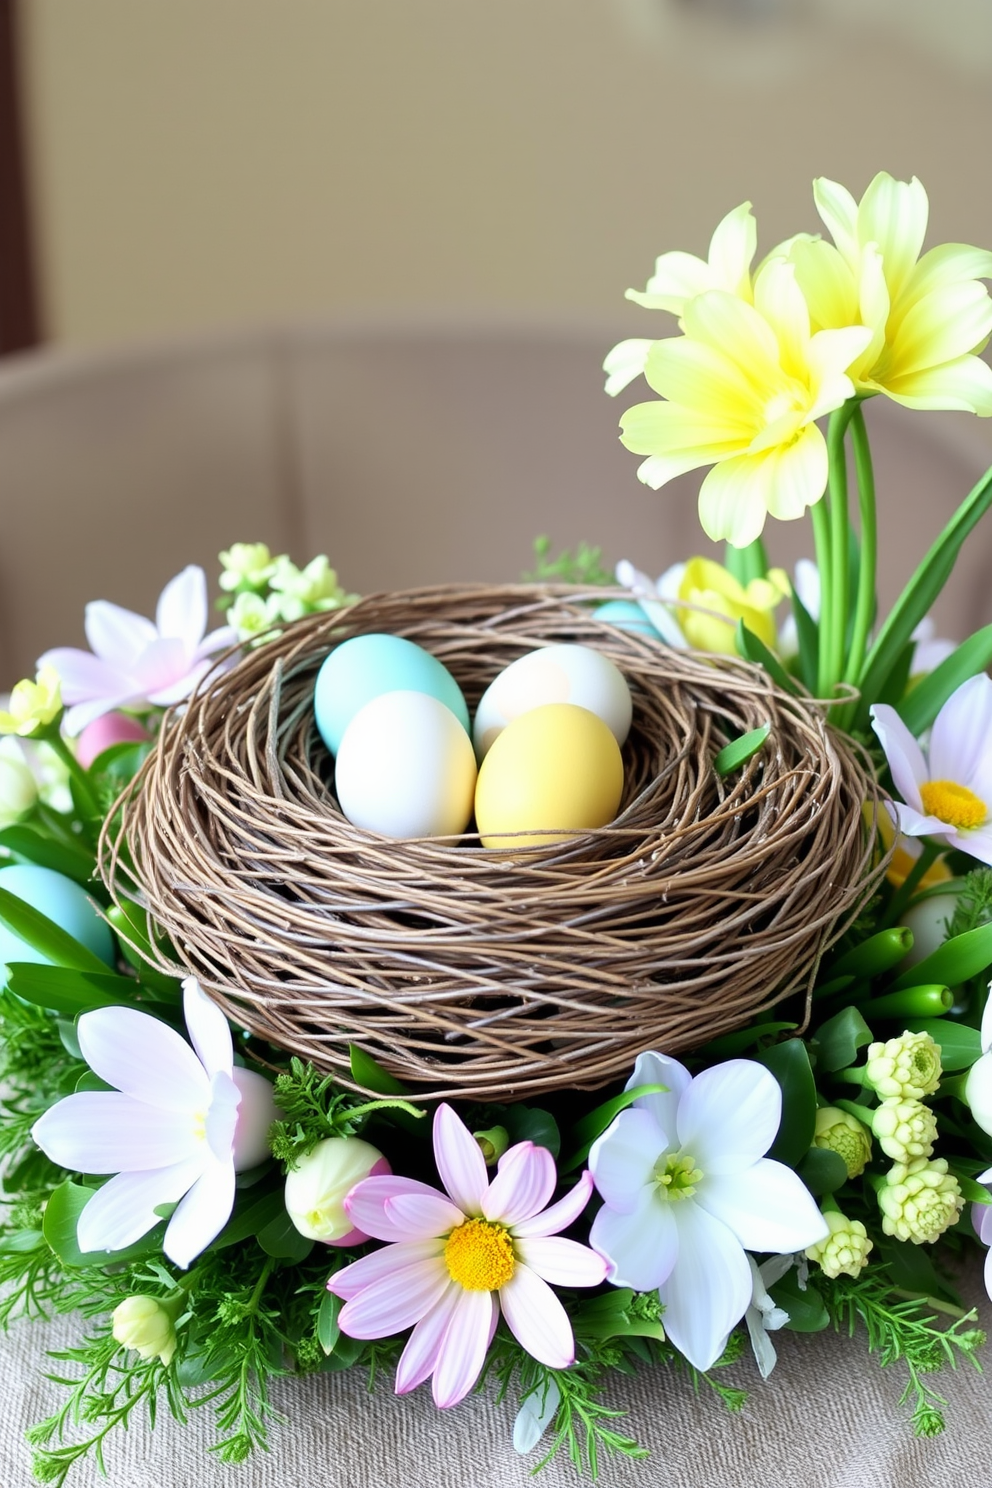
(406, 768)
(554, 674)
(64, 902)
(555, 770)
(626, 614)
(367, 666)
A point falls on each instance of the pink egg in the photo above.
(112, 728)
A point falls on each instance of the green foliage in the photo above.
(974, 903)
(314, 1108)
(584, 566)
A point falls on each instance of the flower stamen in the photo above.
(479, 1255)
(677, 1176)
(953, 803)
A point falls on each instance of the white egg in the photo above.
(554, 674)
(405, 768)
(928, 921)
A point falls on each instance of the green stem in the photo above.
(839, 540)
(821, 537)
(386, 1104)
(57, 744)
(864, 611)
(930, 851)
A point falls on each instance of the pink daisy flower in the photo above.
(457, 1259)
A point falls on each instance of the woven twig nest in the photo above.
(497, 974)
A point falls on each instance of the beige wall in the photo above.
(204, 162)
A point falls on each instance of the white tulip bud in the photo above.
(316, 1189)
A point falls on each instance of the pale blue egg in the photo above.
(625, 614)
(368, 666)
(64, 902)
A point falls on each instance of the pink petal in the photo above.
(123, 1210)
(459, 1161)
(218, 640)
(161, 665)
(366, 1204)
(117, 636)
(463, 1347)
(560, 1215)
(423, 1216)
(201, 1215)
(537, 1319)
(523, 1184)
(143, 1057)
(104, 1132)
(179, 689)
(419, 1359)
(208, 1029)
(562, 1262)
(351, 1280)
(623, 1159)
(729, 1115)
(182, 608)
(641, 1247)
(81, 715)
(766, 1206)
(395, 1300)
(709, 1289)
(85, 677)
(905, 757)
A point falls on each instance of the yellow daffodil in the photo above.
(743, 387)
(33, 705)
(928, 316)
(678, 276)
(718, 601)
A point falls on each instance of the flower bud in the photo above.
(318, 1186)
(907, 1066)
(246, 563)
(838, 1131)
(919, 1200)
(147, 1325)
(977, 1091)
(256, 1112)
(845, 1250)
(106, 731)
(18, 789)
(494, 1142)
(906, 1129)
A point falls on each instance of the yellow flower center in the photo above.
(952, 803)
(677, 1176)
(479, 1256)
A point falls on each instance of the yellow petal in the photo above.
(732, 248)
(830, 354)
(625, 362)
(893, 215)
(738, 331)
(796, 475)
(701, 377)
(779, 299)
(678, 438)
(943, 265)
(965, 384)
(732, 504)
(839, 212)
(677, 277)
(946, 324)
(826, 280)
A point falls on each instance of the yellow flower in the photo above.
(743, 388)
(33, 705)
(928, 316)
(719, 601)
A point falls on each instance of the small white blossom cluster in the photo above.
(269, 591)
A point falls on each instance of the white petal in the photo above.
(143, 1057)
(626, 361)
(459, 1161)
(419, 1359)
(960, 739)
(986, 1031)
(161, 667)
(208, 1029)
(767, 1207)
(729, 1116)
(103, 1132)
(658, 1069)
(220, 639)
(182, 608)
(123, 1210)
(380, 1264)
(561, 1214)
(535, 1416)
(398, 1298)
(462, 1351)
(562, 1262)
(622, 1160)
(537, 1319)
(709, 1289)
(978, 1088)
(641, 1247)
(423, 1216)
(201, 1215)
(221, 1119)
(905, 757)
(117, 636)
(80, 715)
(761, 1345)
(85, 677)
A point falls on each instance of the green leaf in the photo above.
(61, 1218)
(347, 1351)
(532, 1124)
(808, 632)
(71, 861)
(911, 1269)
(281, 1238)
(839, 1039)
(960, 1045)
(746, 564)
(822, 1170)
(328, 1331)
(730, 1044)
(974, 1193)
(370, 1075)
(130, 925)
(753, 649)
(789, 1063)
(894, 687)
(807, 1313)
(738, 751)
(608, 1316)
(42, 934)
(252, 1212)
(924, 701)
(69, 992)
(953, 962)
(595, 1123)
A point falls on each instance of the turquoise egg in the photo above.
(368, 666)
(64, 902)
(626, 614)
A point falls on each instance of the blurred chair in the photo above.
(410, 453)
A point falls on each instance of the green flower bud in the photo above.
(919, 1200)
(319, 1184)
(907, 1066)
(250, 614)
(839, 1132)
(906, 1129)
(147, 1325)
(845, 1250)
(246, 563)
(493, 1142)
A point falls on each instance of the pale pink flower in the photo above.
(135, 662)
(459, 1258)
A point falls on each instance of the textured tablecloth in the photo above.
(828, 1417)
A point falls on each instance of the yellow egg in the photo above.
(555, 770)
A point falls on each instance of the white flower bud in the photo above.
(316, 1189)
(18, 789)
(145, 1324)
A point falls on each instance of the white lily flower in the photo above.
(949, 793)
(135, 662)
(178, 1124)
(763, 1317)
(978, 1084)
(688, 1191)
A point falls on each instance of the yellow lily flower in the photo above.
(718, 601)
(33, 704)
(742, 388)
(928, 316)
